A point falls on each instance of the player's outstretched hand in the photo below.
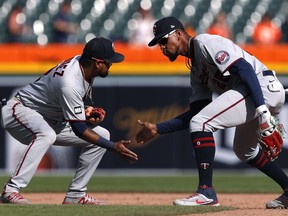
(125, 153)
(147, 132)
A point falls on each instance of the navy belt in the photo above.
(268, 73)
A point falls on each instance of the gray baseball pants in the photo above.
(30, 128)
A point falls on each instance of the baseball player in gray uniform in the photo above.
(51, 111)
(249, 96)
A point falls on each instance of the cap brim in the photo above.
(155, 40)
(117, 57)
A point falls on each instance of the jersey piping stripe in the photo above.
(31, 144)
(203, 139)
(204, 142)
(215, 116)
(212, 144)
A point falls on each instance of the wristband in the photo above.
(105, 143)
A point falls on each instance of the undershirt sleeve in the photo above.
(245, 71)
(182, 121)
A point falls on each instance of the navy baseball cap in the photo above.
(163, 27)
(103, 49)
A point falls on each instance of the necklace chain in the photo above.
(89, 89)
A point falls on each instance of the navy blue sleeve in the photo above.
(247, 74)
(181, 122)
(78, 127)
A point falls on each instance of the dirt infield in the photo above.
(245, 204)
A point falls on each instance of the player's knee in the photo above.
(103, 132)
(199, 123)
(48, 137)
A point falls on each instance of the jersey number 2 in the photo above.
(60, 69)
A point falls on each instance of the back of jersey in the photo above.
(44, 95)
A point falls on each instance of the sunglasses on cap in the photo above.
(164, 39)
(107, 63)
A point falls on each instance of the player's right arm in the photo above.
(70, 99)
(84, 132)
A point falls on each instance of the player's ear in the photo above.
(97, 64)
(178, 33)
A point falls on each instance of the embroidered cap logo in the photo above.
(113, 47)
(154, 29)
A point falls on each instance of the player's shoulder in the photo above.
(72, 66)
(205, 38)
(73, 62)
(72, 72)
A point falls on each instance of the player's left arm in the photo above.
(245, 71)
(271, 132)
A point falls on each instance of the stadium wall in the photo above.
(33, 59)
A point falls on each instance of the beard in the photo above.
(103, 75)
(172, 56)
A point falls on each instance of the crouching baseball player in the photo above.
(51, 111)
(250, 95)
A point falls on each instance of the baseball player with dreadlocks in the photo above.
(250, 96)
(51, 111)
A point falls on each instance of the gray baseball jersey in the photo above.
(59, 94)
(213, 55)
(234, 106)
